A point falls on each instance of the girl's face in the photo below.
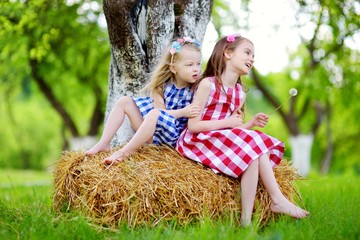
(243, 58)
(187, 67)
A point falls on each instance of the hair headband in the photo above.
(176, 45)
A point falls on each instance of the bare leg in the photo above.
(142, 135)
(125, 105)
(249, 182)
(279, 203)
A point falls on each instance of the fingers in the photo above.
(261, 119)
(262, 116)
(193, 114)
(194, 110)
(262, 124)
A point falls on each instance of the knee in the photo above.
(264, 157)
(123, 102)
(255, 163)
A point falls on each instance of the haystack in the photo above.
(156, 184)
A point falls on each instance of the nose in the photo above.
(253, 57)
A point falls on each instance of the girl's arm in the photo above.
(190, 110)
(196, 125)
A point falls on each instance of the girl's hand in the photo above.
(235, 120)
(191, 110)
(259, 120)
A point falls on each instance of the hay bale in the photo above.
(155, 184)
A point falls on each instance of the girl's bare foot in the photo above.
(286, 207)
(99, 147)
(245, 222)
(115, 158)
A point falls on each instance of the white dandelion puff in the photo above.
(293, 92)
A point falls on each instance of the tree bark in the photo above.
(138, 32)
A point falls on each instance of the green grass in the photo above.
(11, 177)
(26, 213)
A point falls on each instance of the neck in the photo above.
(229, 79)
(179, 84)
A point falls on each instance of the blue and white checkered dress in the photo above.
(168, 128)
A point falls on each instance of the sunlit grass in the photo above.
(11, 177)
(333, 202)
(26, 213)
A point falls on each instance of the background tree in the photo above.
(322, 68)
(319, 75)
(138, 32)
(60, 49)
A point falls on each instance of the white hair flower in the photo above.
(293, 92)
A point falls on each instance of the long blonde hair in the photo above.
(162, 72)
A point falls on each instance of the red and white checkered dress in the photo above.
(229, 151)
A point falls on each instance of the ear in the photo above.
(227, 54)
(172, 68)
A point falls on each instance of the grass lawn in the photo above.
(26, 213)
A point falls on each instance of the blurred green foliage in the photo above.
(30, 134)
(54, 64)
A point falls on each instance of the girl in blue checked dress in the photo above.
(160, 118)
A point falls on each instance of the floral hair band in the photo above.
(231, 38)
(176, 45)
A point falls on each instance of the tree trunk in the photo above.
(301, 152)
(326, 161)
(138, 32)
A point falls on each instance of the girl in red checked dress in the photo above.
(160, 117)
(218, 137)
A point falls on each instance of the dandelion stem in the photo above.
(279, 106)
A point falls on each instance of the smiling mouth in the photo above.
(248, 65)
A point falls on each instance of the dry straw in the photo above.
(156, 184)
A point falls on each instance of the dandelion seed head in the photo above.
(293, 91)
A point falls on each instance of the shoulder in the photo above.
(239, 87)
(204, 89)
(205, 84)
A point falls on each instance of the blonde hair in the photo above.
(162, 72)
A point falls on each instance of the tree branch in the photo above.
(289, 119)
(98, 114)
(258, 83)
(319, 116)
(304, 108)
(46, 90)
(326, 161)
